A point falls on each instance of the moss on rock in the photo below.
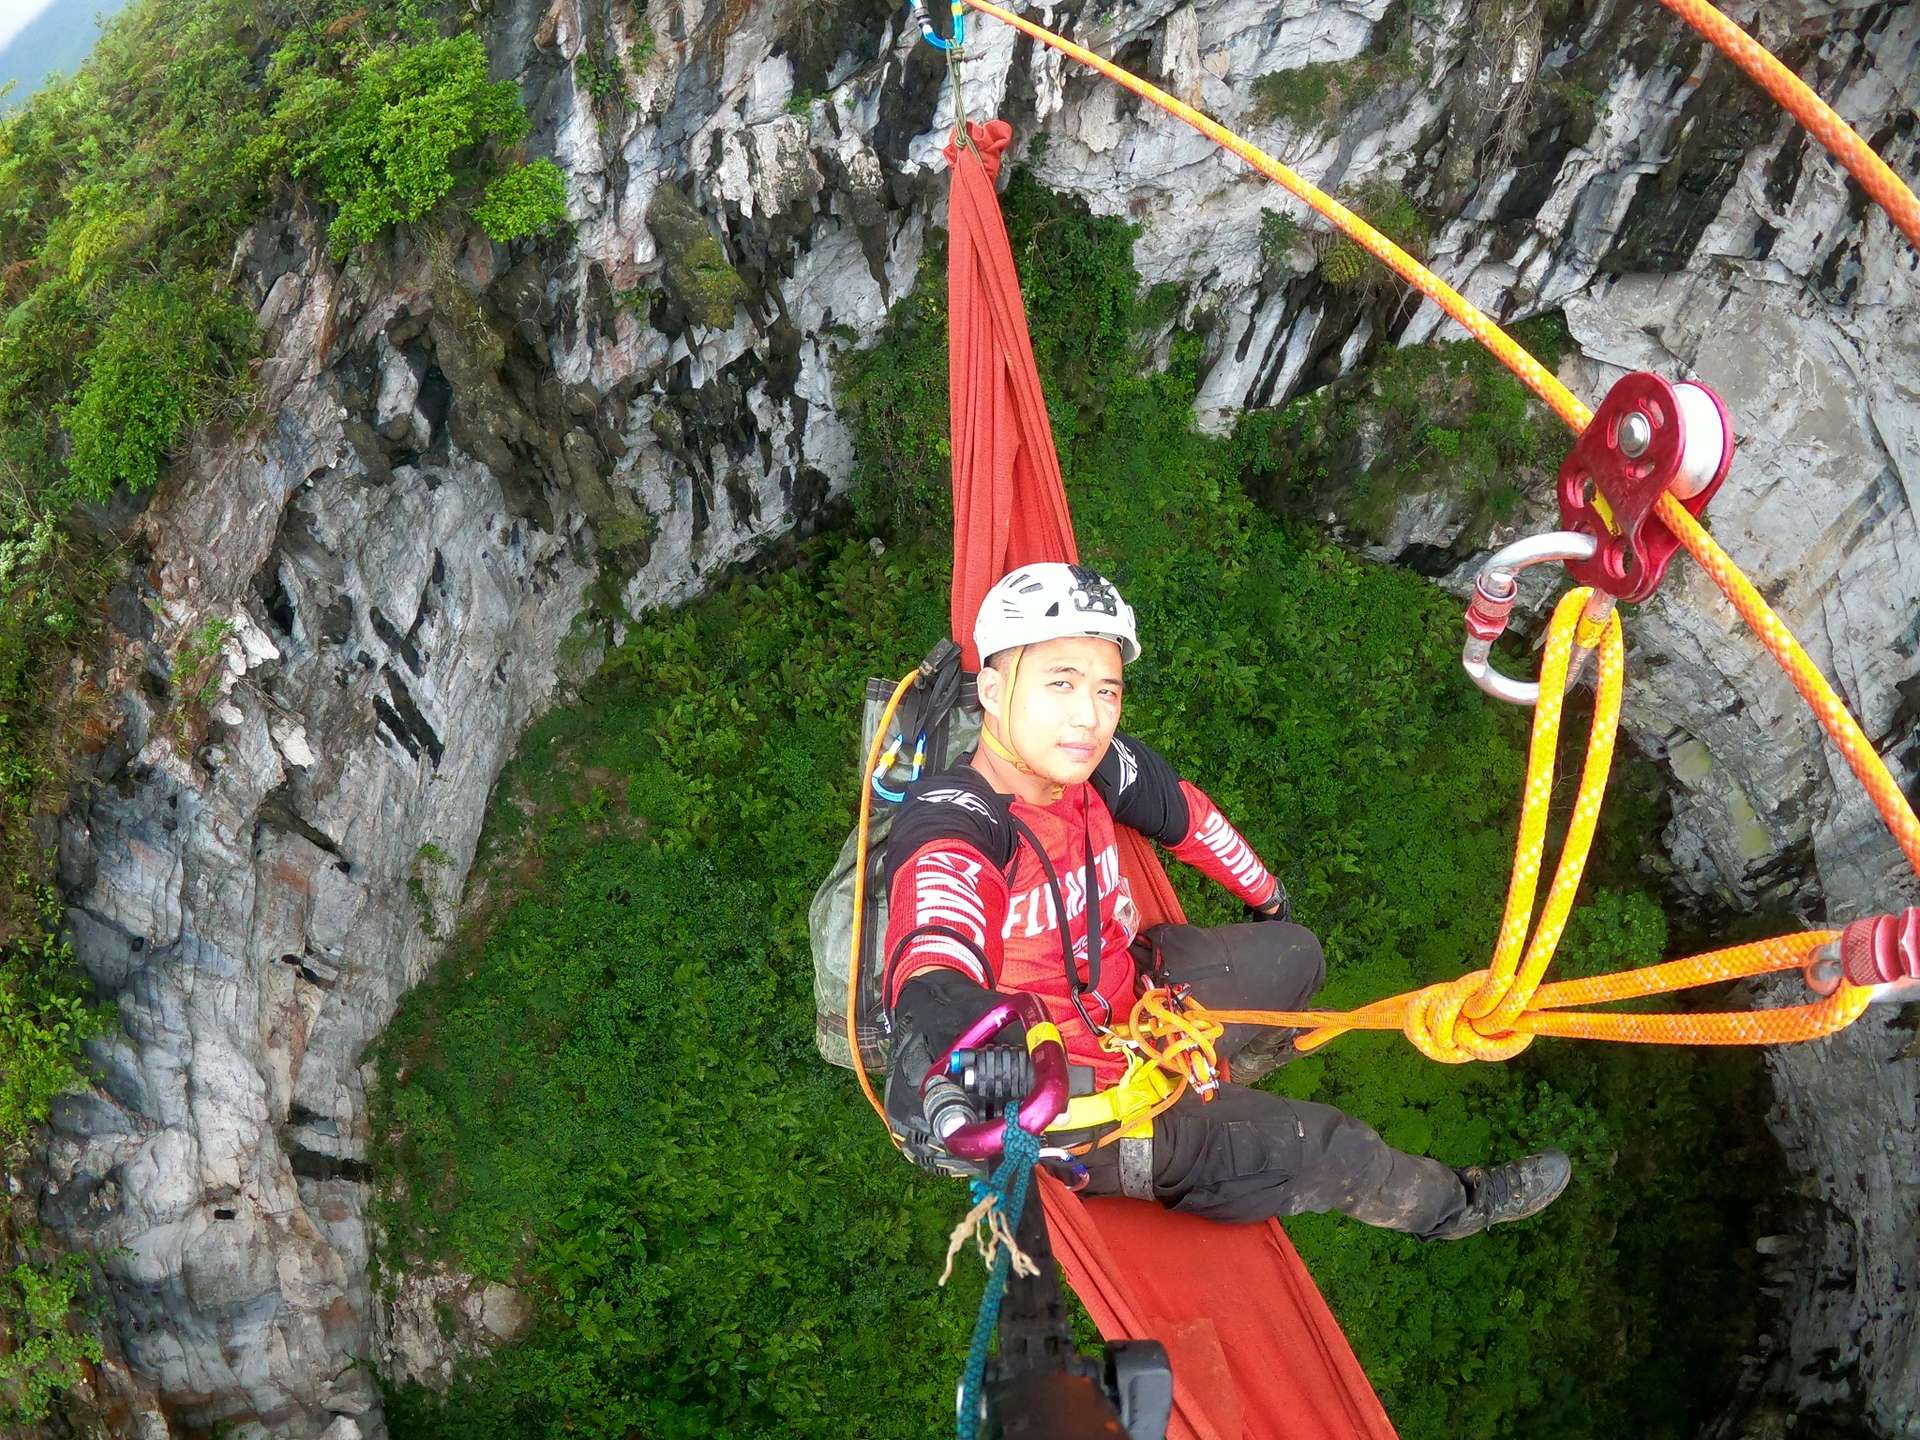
(696, 273)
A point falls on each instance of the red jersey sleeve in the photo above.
(945, 909)
(1143, 791)
(1214, 847)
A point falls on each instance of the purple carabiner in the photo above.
(984, 1139)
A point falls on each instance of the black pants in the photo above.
(1247, 1155)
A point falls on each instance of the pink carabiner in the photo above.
(984, 1139)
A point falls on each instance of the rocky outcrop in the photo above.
(243, 876)
(465, 449)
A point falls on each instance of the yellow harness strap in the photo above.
(1130, 1102)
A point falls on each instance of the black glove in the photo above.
(1282, 911)
(934, 1008)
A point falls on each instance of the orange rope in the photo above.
(1535, 376)
(1431, 1017)
(1819, 118)
(1828, 707)
(1833, 132)
(860, 892)
(1494, 1013)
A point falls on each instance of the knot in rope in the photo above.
(1438, 1027)
(1172, 1037)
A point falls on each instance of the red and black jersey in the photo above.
(968, 889)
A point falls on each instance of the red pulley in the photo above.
(1647, 437)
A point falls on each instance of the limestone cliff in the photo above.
(468, 441)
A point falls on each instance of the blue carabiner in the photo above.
(932, 36)
(895, 797)
(886, 763)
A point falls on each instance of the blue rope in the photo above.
(1009, 1183)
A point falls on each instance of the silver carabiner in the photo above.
(1494, 591)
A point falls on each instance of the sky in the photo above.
(14, 15)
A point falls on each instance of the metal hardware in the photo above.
(1647, 437)
(1494, 593)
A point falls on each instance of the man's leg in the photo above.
(1262, 1155)
(1247, 1155)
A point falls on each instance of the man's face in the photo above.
(1066, 705)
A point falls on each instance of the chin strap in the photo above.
(994, 742)
(1003, 748)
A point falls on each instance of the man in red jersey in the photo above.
(989, 869)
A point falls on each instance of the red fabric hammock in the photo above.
(1256, 1353)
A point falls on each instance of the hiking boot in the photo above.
(1498, 1193)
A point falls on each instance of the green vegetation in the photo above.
(1440, 416)
(44, 1017)
(1386, 207)
(424, 890)
(1278, 232)
(44, 1356)
(524, 201)
(386, 144)
(166, 356)
(196, 663)
(1316, 95)
(608, 1093)
(123, 189)
(1319, 93)
(643, 47)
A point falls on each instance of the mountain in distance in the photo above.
(54, 41)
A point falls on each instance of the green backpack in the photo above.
(943, 713)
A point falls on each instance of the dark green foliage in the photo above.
(165, 354)
(610, 1095)
(1445, 415)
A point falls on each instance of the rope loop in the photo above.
(1000, 1199)
(1436, 1025)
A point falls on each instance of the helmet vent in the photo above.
(1054, 608)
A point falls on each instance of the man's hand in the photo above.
(933, 1008)
(1279, 907)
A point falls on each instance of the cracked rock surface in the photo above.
(462, 441)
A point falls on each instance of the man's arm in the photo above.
(946, 906)
(1143, 791)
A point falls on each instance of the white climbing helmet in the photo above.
(1048, 600)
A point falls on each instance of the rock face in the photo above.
(467, 446)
